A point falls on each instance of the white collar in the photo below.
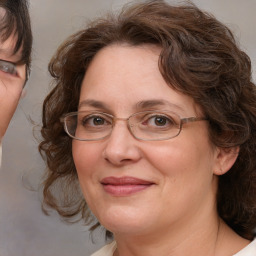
(0, 153)
(249, 250)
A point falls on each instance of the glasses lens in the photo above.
(88, 125)
(147, 125)
(151, 125)
(20, 71)
(8, 67)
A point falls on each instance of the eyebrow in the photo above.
(145, 104)
(93, 103)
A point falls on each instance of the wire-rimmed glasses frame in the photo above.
(137, 125)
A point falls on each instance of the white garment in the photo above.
(108, 250)
(0, 153)
(249, 250)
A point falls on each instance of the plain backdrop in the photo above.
(24, 229)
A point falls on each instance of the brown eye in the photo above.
(95, 121)
(98, 121)
(160, 121)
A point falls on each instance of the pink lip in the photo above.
(124, 186)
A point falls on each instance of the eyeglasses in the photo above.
(11, 68)
(146, 125)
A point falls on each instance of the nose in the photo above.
(121, 147)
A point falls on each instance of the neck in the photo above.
(208, 238)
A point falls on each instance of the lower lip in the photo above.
(124, 190)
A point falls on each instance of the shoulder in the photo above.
(249, 250)
(107, 250)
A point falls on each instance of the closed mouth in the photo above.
(124, 186)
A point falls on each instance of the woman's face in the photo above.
(135, 186)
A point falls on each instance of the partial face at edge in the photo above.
(11, 83)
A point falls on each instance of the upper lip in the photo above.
(125, 180)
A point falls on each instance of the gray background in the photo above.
(24, 229)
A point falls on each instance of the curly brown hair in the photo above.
(199, 58)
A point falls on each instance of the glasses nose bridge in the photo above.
(120, 119)
(128, 125)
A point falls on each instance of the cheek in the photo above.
(183, 162)
(187, 177)
(86, 159)
(10, 94)
(9, 100)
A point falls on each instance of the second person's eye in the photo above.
(8, 67)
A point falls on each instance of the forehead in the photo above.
(2, 13)
(121, 77)
(122, 65)
(7, 49)
(7, 45)
(117, 58)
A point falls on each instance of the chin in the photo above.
(120, 219)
